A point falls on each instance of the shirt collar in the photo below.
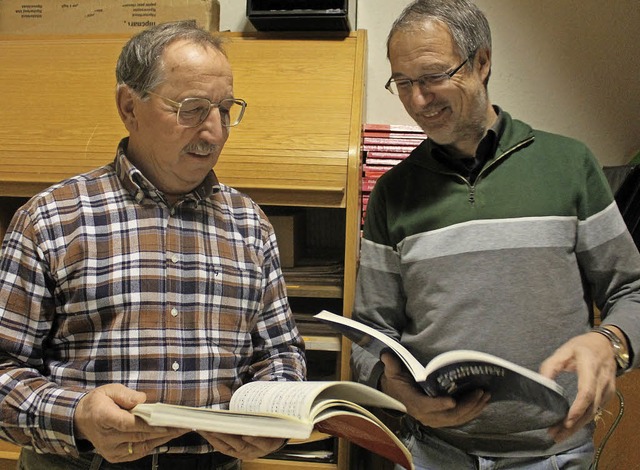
(144, 191)
(471, 166)
(489, 144)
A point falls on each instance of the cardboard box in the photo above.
(289, 230)
(101, 16)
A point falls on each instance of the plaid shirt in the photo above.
(102, 282)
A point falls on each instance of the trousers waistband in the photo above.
(209, 461)
(31, 460)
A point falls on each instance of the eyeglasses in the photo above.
(398, 86)
(191, 112)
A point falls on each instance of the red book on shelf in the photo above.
(368, 183)
(391, 141)
(392, 128)
(375, 169)
(394, 155)
(394, 135)
(384, 161)
(388, 148)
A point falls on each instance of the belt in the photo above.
(30, 459)
(209, 461)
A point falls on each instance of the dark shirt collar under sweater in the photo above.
(470, 167)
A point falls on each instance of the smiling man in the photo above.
(144, 280)
(495, 237)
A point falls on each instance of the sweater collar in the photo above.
(512, 132)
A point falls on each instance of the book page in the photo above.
(224, 421)
(290, 398)
(372, 341)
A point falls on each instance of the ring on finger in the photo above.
(130, 448)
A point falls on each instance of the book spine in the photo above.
(392, 128)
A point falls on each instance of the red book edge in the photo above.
(368, 435)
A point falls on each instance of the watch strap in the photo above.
(619, 351)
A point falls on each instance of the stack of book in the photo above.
(383, 146)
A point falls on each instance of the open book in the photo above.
(293, 410)
(455, 373)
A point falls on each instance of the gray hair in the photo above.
(468, 26)
(140, 64)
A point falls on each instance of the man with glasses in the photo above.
(144, 280)
(496, 237)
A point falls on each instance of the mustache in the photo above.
(201, 148)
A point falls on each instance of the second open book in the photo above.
(541, 402)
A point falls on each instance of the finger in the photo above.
(560, 432)
(229, 444)
(561, 360)
(588, 391)
(136, 449)
(442, 404)
(471, 406)
(264, 444)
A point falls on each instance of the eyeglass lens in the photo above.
(193, 111)
(429, 81)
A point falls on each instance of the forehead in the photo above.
(427, 43)
(186, 58)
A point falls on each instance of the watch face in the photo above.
(620, 355)
(622, 358)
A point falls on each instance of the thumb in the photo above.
(392, 364)
(124, 397)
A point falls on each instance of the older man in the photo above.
(144, 280)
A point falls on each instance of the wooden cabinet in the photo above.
(301, 148)
(297, 147)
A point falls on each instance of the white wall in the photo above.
(566, 66)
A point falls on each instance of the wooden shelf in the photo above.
(327, 292)
(267, 464)
(322, 343)
(9, 451)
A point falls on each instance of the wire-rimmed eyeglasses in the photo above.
(399, 86)
(191, 112)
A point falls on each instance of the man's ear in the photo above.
(483, 58)
(126, 101)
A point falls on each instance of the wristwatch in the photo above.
(619, 351)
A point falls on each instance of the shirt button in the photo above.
(67, 449)
(174, 259)
(175, 366)
(174, 312)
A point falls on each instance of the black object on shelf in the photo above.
(299, 15)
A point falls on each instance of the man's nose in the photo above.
(212, 129)
(420, 94)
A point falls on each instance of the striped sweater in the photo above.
(510, 265)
